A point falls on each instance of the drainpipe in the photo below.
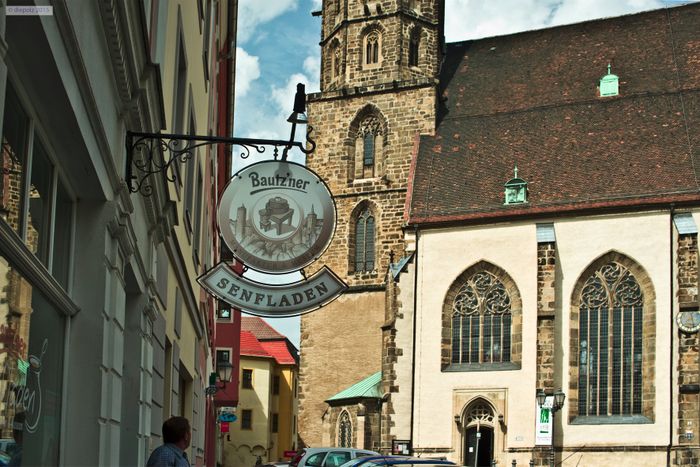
(415, 320)
(671, 210)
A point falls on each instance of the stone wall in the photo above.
(688, 401)
(546, 266)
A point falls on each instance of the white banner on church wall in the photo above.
(543, 423)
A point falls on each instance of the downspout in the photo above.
(415, 321)
(671, 210)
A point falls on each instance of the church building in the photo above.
(517, 217)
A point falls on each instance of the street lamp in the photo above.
(557, 403)
(222, 375)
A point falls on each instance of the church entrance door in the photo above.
(478, 446)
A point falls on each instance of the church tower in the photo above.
(379, 65)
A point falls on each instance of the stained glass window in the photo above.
(610, 345)
(344, 430)
(481, 321)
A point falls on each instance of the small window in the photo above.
(413, 48)
(368, 150)
(276, 385)
(247, 379)
(223, 312)
(246, 420)
(372, 48)
(275, 422)
(223, 356)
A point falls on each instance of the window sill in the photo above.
(611, 420)
(466, 367)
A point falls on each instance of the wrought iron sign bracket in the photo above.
(152, 153)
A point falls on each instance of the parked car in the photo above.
(402, 461)
(328, 457)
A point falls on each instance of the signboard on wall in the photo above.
(543, 423)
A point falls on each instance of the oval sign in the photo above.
(276, 217)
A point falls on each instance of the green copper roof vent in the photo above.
(609, 85)
(516, 189)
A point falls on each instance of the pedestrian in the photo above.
(176, 438)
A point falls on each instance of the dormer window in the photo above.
(609, 85)
(515, 190)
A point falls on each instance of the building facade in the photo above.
(549, 235)
(266, 425)
(375, 98)
(105, 331)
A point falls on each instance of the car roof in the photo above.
(312, 450)
(395, 460)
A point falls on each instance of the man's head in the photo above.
(176, 430)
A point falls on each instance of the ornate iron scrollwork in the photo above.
(152, 153)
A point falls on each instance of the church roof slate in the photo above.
(530, 99)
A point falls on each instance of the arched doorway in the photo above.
(478, 435)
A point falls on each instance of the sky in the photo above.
(277, 47)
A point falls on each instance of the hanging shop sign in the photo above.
(276, 217)
(272, 300)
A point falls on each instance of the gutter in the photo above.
(413, 358)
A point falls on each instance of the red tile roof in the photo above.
(530, 99)
(280, 351)
(259, 328)
(251, 346)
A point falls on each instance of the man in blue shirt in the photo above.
(176, 438)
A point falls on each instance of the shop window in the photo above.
(32, 334)
(34, 201)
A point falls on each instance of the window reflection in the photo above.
(31, 360)
(13, 156)
(39, 199)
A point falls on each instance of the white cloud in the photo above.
(247, 71)
(471, 19)
(316, 5)
(253, 13)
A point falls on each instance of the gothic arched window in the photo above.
(364, 241)
(414, 48)
(481, 321)
(610, 343)
(337, 61)
(344, 430)
(372, 45)
(370, 139)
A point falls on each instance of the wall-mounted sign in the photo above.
(543, 424)
(272, 300)
(224, 427)
(276, 217)
(227, 417)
